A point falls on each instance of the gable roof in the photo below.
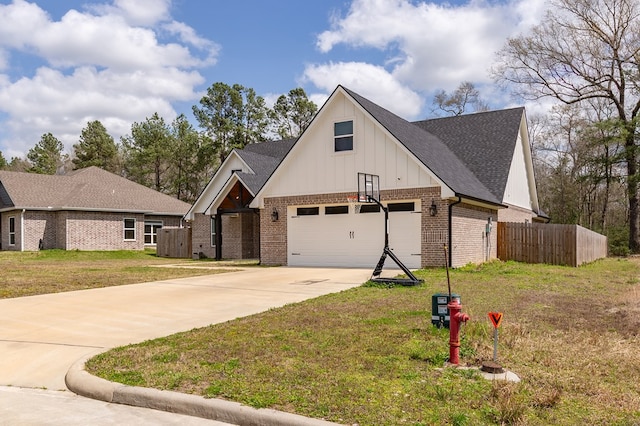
(90, 189)
(263, 159)
(484, 142)
(432, 151)
(470, 154)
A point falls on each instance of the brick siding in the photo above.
(515, 214)
(273, 234)
(469, 242)
(240, 235)
(77, 230)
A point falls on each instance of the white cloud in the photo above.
(136, 12)
(370, 81)
(431, 46)
(103, 64)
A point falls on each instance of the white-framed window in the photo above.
(213, 231)
(12, 231)
(151, 231)
(343, 136)
(129, 229)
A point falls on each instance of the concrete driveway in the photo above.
(42, 336)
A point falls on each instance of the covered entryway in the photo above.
(335, 235)
(235, 226)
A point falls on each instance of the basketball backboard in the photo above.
(368, 188)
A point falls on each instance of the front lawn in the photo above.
(370, 355)
(54, 271)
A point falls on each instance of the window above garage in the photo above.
(343, 136)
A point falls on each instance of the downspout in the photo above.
(22, 230)
(450, 227)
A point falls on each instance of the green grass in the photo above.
(370, 355)
(53, 271)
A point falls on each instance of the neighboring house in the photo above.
(87, 209)
(445, 181)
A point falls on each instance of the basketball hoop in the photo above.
(353, 201)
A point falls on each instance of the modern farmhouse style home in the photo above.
(444, 181)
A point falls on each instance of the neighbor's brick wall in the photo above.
(273, 235)
(40, 225)
(75, 230)
(4, 230)
(102, 231)
(170, 221)
(468, 238)
(515, 214)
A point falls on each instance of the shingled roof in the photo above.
(484, 141)
(263, 158)
(89, 189)
(447, 150)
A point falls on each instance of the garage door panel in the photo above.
(351, 240)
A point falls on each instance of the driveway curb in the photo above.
(79, 381)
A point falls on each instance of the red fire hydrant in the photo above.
(455, 318)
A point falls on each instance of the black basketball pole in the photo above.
(412, 279)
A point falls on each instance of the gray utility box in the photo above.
(439, 309)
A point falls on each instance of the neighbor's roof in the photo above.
(90, 189)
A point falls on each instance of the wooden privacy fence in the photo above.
(173, 242)
(570, 245)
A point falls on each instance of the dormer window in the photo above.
(343, 136)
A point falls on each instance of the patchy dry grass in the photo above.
(54, 271)
(370, 356)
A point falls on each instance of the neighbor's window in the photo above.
(151, 232)
(343, 136)
(12, 231)
(129, 229)
(213, 231)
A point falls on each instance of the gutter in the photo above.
(450, 227)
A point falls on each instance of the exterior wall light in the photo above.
(433, 209)
(274, 215)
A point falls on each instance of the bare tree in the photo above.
(585, 50)
(466, 98)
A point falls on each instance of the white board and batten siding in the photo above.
(520, 176)
(312, 167)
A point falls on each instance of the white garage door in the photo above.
(337, 236)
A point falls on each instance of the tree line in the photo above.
(175, 157)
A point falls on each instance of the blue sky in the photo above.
(64, 63)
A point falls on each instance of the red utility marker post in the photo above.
(496, 319)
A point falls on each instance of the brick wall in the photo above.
(77, 230)
(515, 214)
(201, 235)
(240, 235)
(102, 231)
(273, 234)
(232, 236)
(4, 230)
(40, 226)
(469, 242)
